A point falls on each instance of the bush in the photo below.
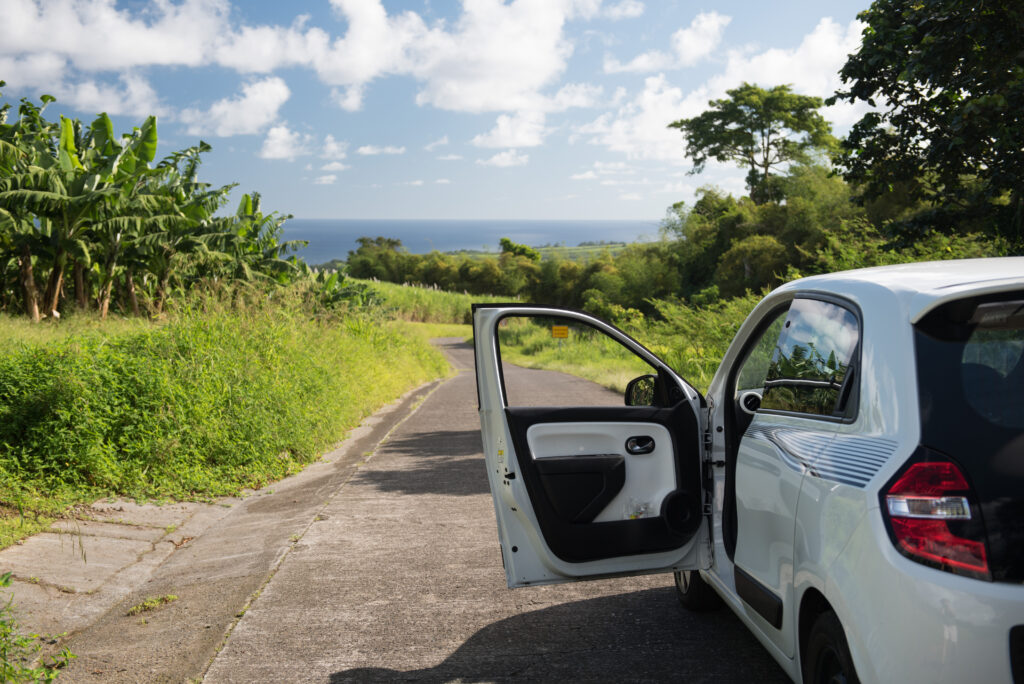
(203, 406)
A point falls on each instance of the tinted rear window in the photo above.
(970, 372)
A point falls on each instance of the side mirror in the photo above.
(642, 391)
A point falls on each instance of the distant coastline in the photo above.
(333, 238)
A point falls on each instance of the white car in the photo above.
(851, 486)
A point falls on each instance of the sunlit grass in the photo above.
(205, 405)
(427, 305)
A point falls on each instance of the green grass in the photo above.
(15, 330)
(585, 354)
(427, 305)
(205, 405)
(152, 603)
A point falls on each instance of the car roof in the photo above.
(922, 286)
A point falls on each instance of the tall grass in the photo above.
(585, 353)
(425, 304)
(204, 405)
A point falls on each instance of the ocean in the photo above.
(333, 238)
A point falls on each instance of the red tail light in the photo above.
(930, 517)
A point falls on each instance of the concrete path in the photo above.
(379, 564)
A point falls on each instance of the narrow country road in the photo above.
(379, 563)
(401, 579)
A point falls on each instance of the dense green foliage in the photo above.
(720, 247)
(763, 130)
(424, 304)
(84, 211)
(201, 406)
(947, 78)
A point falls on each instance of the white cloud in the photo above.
(283, 143)
(626, 9)
(134, 96)
(430, 147)
(335, 166)
(97, 36)
(450, 157)
(373, 150)
(498, 57)
(700, 38)
(350, 99)
(415, 183)
(587, 175)
(504, 159)
(576, 95)
(443, 181)
(325, 180)
(525, 129)
(631, 197)
(333, 149)
(812, 68)
(689, 46)
(494, 56)
(256, 108)
(639, 129)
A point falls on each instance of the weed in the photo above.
(18, 651)
(152, 603)
(170, 528)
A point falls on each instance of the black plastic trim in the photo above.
(1017, 654)
(580, 486)
(759, 597)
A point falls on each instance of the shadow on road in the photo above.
(638, 636)
(441, 465)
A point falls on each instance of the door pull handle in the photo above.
(639, 445)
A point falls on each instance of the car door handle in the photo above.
(639, 445)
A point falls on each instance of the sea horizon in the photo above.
(334, 238)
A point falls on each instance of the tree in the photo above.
(516, 249)
(764, 130)
(947, 78)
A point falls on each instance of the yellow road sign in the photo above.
(560, 332)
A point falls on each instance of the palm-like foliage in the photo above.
(79, 204)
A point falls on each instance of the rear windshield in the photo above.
(980, 343)
(970, 375)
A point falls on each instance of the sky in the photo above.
(479, 109)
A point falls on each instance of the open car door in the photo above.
(587, 482)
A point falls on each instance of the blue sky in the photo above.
(428, 109)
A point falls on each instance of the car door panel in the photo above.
(583, 492)
(649, 477)
(671, 518)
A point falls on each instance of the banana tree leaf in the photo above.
(145, 144)
(103, 135)
(67, 153)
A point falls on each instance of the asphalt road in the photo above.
(401, 579)
(379, 563)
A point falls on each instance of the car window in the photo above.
(810, 363)
(573, 363)
(992, 363)
(754, 370)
